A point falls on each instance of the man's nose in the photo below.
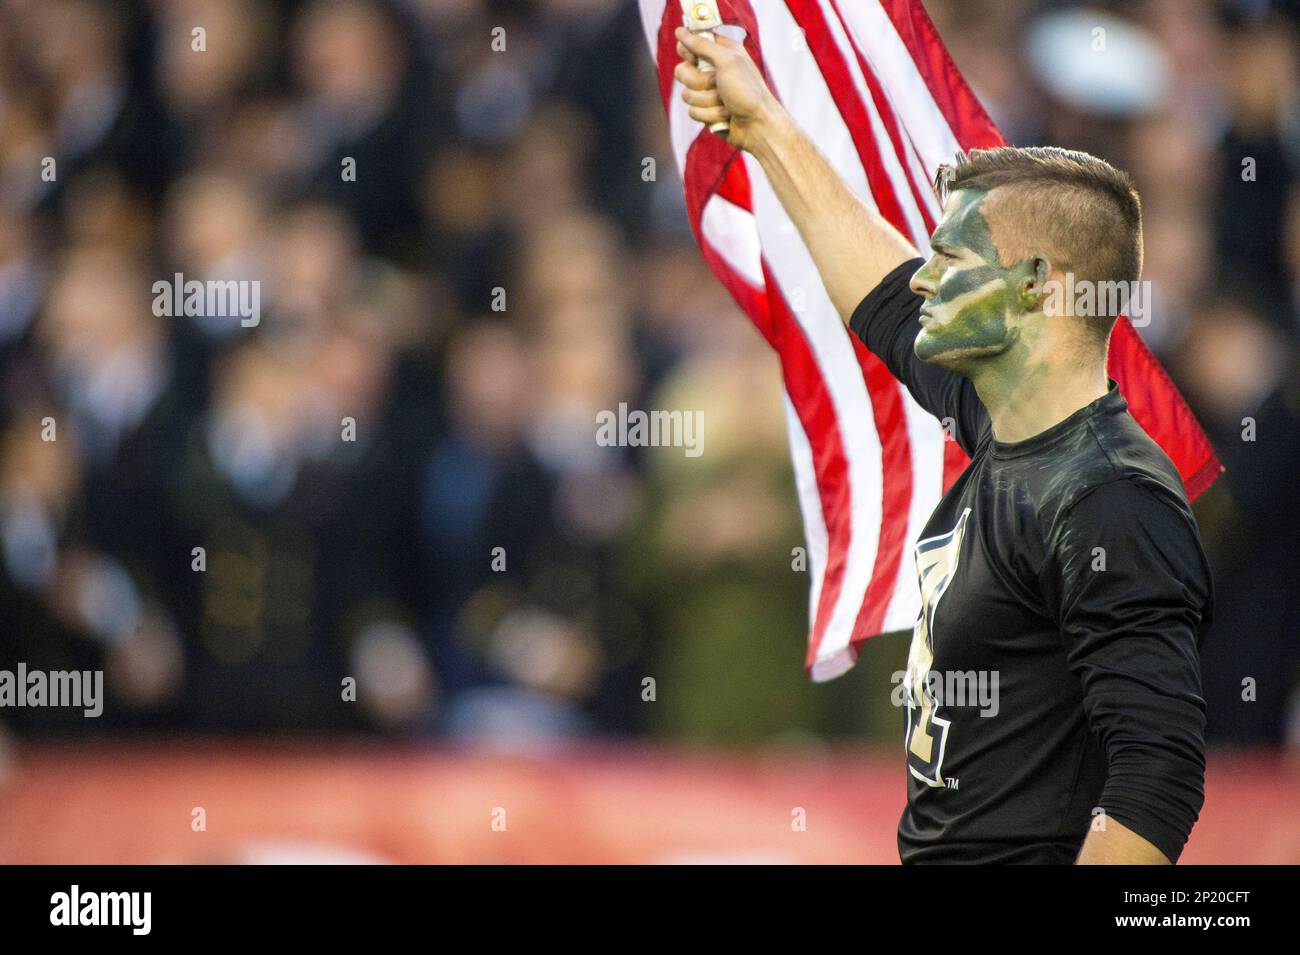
(922, 282)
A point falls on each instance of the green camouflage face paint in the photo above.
(973, 294)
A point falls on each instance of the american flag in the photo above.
(874, 86)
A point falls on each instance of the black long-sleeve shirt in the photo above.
(1065, 572)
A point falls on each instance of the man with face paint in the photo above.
(1062, 578)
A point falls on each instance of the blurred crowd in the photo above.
(381, 507)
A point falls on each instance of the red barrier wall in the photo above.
(135, 804)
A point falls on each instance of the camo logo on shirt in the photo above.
(927, 732)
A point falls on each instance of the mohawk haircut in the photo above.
(1081, 211)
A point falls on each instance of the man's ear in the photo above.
(1031, 287)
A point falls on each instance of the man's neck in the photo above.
(1030, 400)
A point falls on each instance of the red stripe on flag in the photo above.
(1157, 405)
(666, 52)
(954, 462)
(816, 413)
(966, 116)
(808, 14)
(735, 186)
(708, 161)
(896, 490)
(890, 121)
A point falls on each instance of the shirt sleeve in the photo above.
(886, 322)
(1134, 593)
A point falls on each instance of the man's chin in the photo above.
(931, 349)
(934, 350)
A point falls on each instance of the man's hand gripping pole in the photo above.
(702, 17)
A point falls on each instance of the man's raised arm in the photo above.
(852, 246)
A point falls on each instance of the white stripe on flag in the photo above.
(915, 225)
(875, 35)
(810, 505)
(732, 231)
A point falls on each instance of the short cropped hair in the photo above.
(1081, 211)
